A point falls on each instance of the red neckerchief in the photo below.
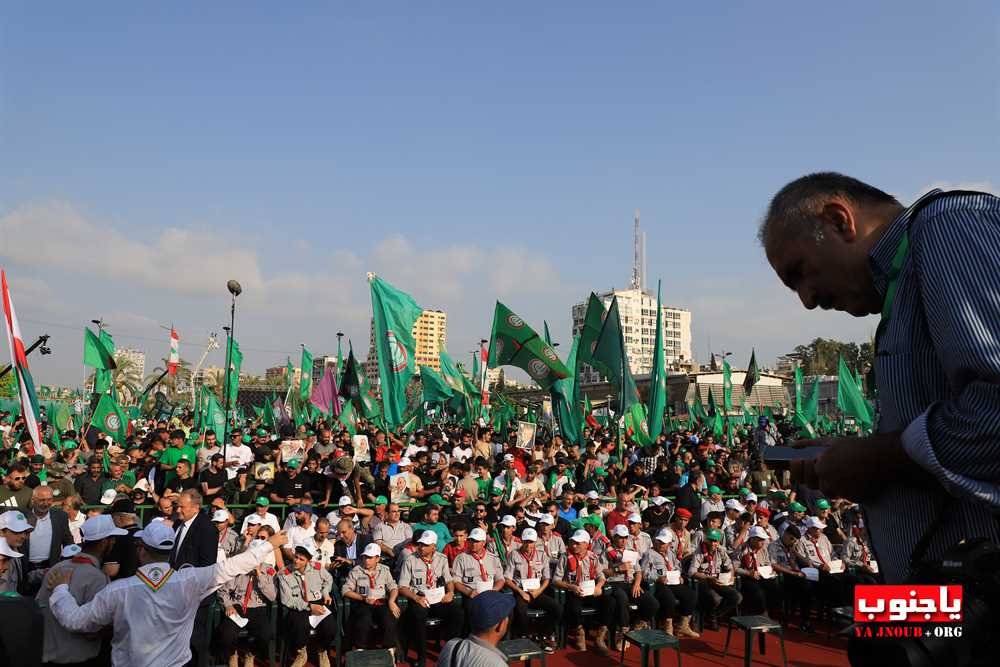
(83, 560)
(529, 557)
(749, 560)
(479, 561)
(666, 559)
(371, 581)
(572, 561)
(709, 556)
(818, 553)
(545, 546)
(249, 592)
(430, 571)
(635, 542)
(222, 534)
(305, 590)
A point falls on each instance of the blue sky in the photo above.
(465, 151)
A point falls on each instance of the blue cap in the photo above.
(302, 508)
(489, 608)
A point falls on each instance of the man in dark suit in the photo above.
(50, 533)
(689, 495)
(196, 543)
(348, 548)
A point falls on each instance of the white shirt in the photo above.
(205, 455)
(269, 520)
(462, 455)
(152, 628)
(300, 534)
(40, 540)
(241, 454)
(182, 532)
(74, 526)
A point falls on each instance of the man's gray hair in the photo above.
(794, 212)
(193, 496)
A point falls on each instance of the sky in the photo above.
(464, 151)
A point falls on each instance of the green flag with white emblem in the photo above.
(305, 380)
(514, 343)
(111, 419)
(657, 378)
(394, 314)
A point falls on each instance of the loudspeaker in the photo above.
(21, 628)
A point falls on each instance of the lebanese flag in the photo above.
(26, 386)
(484, 355)
(175, 355)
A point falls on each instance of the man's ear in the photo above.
(838, 217)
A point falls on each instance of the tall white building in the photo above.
(430, 332)
(637, 309)
(136, 357)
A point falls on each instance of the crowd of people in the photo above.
(377, 532)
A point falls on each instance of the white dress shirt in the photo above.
(182, 532)
(152, 622)
(40, 540)
(269, 520)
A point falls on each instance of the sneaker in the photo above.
(549, 645)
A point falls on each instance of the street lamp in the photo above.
(235, 289)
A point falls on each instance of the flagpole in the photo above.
(235, 289)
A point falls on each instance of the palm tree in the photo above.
(173, 386)
(216, 380)
(126, 379)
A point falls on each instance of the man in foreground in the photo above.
(153, 612)
(489, 616)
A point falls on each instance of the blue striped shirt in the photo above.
(938, 374)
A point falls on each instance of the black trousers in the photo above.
(759, 595)
(297, 629)
(258, 628)
(545, 626)
(675, 599)
(602, 603)
(415, 625)
(800, 592)
(719, 600)
(199, 638)
(833, 588)
(365, 618)
(621, 593)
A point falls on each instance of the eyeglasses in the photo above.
(18, 479)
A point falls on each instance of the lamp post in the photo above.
(235, 289)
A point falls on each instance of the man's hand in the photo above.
(448, 597)
(230, 611)
(278, 540)
(57, 577)
(636, 589)
(327, 599)
(317, 609)
(394, 608)
(526, 596)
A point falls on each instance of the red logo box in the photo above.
(908, 604)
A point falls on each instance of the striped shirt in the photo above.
(938, 373)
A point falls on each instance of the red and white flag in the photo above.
(19, 360)
(484, 355)
(175, 355)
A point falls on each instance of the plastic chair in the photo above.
(755, 624)
(650, 640)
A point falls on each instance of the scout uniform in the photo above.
(641, 543)
(554, 549)
(478, 571)
(533, 565)
(675, 599)
(229, 542)
(421, 576)
(712, 560)
(249, 594)
(621, 586)
(298, 590)
(577, 571)
(759, 595)
(796, 588)
(377, 584)
(60, 645)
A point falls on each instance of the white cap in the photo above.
(5, 549)
(733, 504)
(98, 527)
(255, 519)
(109, 497)
(751, 497)
(764, 504)
(14, 521)
(141, 485)
(621, 530)
(157, 535)
(508, 457)
(372, 550)
(428, 537)
(546, 518)
(345, 501)
(70, 550)
(635, 517)
(220, 516)
(666, 536)
(658, 500)
(529, 535)
(478, 534)
(508, 520)
(405, 461)
(592, 495)
(581, 536)
(757, 531)
(309, 548)
(813, 522)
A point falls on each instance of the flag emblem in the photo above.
(537, 368)
(219, 419)
(498, 345)
(398, 352)
(111, 422)
(550, 353)
(515, 321)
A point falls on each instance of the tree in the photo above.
(821, 356)
(7, 385)
(173, 386)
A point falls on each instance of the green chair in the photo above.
(755, 624)
(518, 650)
(650, 640)
(375, 658)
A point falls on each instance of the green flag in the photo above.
(394, 313)
(714, 416)
(349, 418)
(289, 373)
(798, 389)
(810, 406)
(435, 389)
(514, 343)
(727, 387)
(636, 421)
(340, 360)
(850, 400)
(215, 416)
(305, 381)
(267, 418)
(753, 374)
(102, 377)
(96, 354)
(593, 321)
(110, 418)
(657, 377)
(565, 405)
(233, 373)
(450, 373)
(610, 350)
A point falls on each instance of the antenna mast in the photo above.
(638, 255)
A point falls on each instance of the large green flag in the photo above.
(610, 350)
(289, 373)
(215, 416)
(798, 389)
(565, 405)
(636, 422)
(850, 400)
(110, 418)
(340, 360)
(593, 321)
(394, 313)
(267, 418)
(514, 343)
(810, 406)
(714, 416)
(349, 418)
(102, 377)
(657, 377)
(727, 387)
(450, 373)
(306, 379)
(96, 353)
(356, 388)
(233, 373)
(435, 389)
